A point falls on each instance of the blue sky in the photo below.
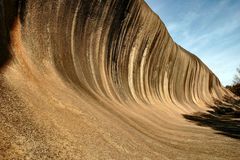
(209, 29)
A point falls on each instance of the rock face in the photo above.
(101, 79)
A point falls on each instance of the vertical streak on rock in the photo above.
(118, 50)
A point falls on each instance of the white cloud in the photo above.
(210, 29)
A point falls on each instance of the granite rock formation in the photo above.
(101, 79)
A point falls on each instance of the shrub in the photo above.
(234, 89)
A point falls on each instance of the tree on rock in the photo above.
(237, 77)
(235, 88)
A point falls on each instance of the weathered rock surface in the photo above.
(101, 79)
